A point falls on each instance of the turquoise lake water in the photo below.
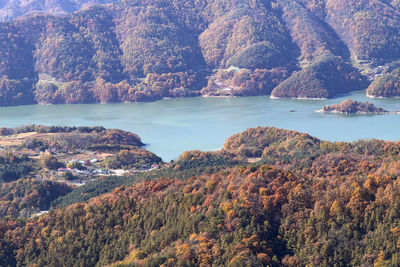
(171, 126)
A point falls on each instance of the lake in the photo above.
(171, 126)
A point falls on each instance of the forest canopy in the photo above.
(129, 51)
(304, 201)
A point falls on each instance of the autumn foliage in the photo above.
(131, 51)
(307, 202)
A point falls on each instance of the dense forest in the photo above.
(301, 202)
(10, 9)
(145, 50)
(386, 85)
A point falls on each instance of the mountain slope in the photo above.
(307, 202)
(10, 9)
(145, 50)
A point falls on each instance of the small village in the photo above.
(80, 172)
(73, 166)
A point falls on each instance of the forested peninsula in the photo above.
(55, 52)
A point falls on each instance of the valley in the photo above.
(199, 133)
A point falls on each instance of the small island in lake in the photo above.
(349, 106)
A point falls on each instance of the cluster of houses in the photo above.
(151, 167)
(86, 172)
(71, 166)
(95, 172)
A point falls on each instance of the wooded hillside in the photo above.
(306, 202)
(145, 50)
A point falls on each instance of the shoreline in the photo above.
(219, 96)
(381, 97)
(299, 98)
(358, 113)
(205, 96)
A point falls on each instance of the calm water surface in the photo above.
(172, 126)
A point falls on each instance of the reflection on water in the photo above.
(174, 125)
